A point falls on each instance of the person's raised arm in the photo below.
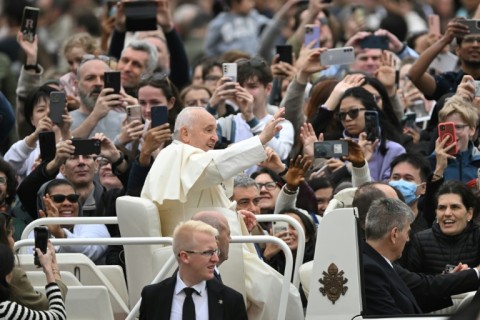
(418, 72)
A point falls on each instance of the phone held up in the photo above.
(372, 125)
(330, 149)
(86, 147)
(29, 23)
(447, 130)
(41, 235)
(159, 115)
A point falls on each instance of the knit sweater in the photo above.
(10, 310)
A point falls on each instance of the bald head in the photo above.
(219, 222)
(197, 127)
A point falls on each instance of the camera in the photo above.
(330, 149)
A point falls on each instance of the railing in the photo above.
(300, 239)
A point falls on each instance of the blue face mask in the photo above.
(407, 188)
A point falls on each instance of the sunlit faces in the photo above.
(201, 267)
(149, 96)
(202, 133)
(74, 57)
(323, 197)
(40, 110)
(66, 209)
(268, 196)
(106, 176)
(247, 198)
(353, 125)
(79, 170)
(90, 81)
(132, 64)
(197, 98)
(463, 131)
(367, 60)
(452, 216)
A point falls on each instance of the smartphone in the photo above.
(134, 113)
(86, 147)
(344, 55)
(48, 145)
(285, 53)
(111, 79)
(41, 235)
(418, 107)
(29, 23)
(159, 115)
(372, 125)
(112, 8)
(230, 70)
(447, 129)
(477, 88)
(312, 33)
(449, 268)
(410, 120)
(58, 100)
(473, 25)
(330, 149)
(374, 42)
(279, 226)
(434, 24)
(444, 62)
(140, 15)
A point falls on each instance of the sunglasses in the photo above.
(352, 113)
(60, 198)
(155, 76)
(254, 62)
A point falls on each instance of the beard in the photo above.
(87, 98)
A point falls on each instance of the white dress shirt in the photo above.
(200, 300)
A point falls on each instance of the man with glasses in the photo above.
(468, 52)
(99, 107)
(192, 292)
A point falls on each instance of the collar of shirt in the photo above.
(180, 285)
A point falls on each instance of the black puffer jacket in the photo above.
(431, 250)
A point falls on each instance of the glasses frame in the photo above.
(206, 253)
(352, 113)
(60, 198)
(272, 186)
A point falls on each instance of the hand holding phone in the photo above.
(374, 42)
(29, 23)
(41, 235)
(279, 226)
(337, 56)
(134, 113)
(330, 149)
(285, 53)
(446, 130)
(47, 142)
(434, 24)
(58, 101)
(111, 79)
(312, 33)
(86, 147)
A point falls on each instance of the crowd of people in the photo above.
(405, 113)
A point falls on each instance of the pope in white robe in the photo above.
(188, 176)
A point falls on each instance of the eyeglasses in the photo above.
(243, 203)
(102, 161)
(155, 76)
(3, 181)
(60, 198)
(206, 253)
(352, 113)
(254, 62)
(101, 57)
(471, 39)
(460, 127)
(196, 102)
(269, 185)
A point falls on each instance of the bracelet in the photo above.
(288, 191)
(119, 161)
(281, 174)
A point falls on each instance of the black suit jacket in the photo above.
(433, 292)
(385, 292)
(224, 303)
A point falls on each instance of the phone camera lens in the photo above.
(442, 127)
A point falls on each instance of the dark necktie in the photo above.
(218, 276)
(188, 305)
